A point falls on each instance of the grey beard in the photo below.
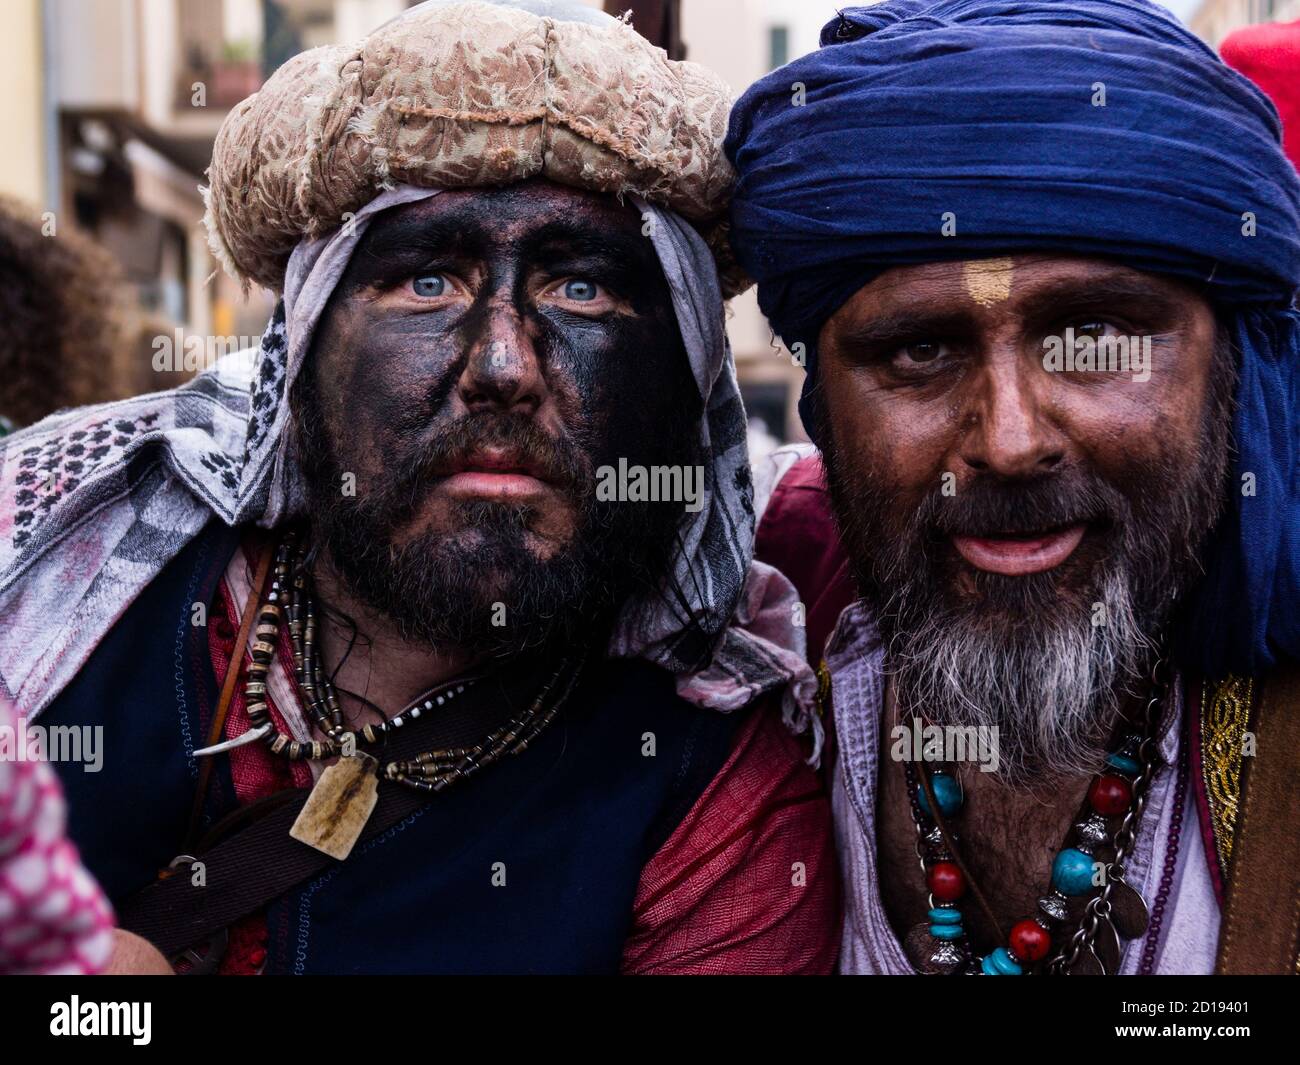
(1049, 688)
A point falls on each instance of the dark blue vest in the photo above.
(530, 867)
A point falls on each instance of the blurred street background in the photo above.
(111, 107)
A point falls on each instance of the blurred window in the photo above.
(766, 402)
(778, 46)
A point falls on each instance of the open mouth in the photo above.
(1019, 554)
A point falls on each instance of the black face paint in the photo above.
(398, 390)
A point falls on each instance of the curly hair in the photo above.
(61, 330)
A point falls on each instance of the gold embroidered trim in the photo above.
(1225, 713)
(822, 700)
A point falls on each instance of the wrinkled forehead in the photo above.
(1013, 284)
(531, 216)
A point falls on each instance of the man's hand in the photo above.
(134, 956)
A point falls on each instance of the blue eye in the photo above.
(580, 291)
(429, 285)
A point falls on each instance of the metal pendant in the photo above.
(1087, 964)
(203, 959)
(1105, 944)
(931, 956)
(1092, 830)
(1128, 910)
(936, 847)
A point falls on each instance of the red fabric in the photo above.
(798, 536)
(1269, 55)
(256, 772)
(748, 884)
(718, 897)
(246, 950)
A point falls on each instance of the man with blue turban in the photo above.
(1040, 259)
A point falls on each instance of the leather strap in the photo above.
(242, 874)
(1260, 928)
(262, 862)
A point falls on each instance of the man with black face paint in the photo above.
(513, 369)
(451, 599)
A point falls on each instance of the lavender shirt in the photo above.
(855, 657)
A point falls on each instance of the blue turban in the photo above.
(1086, 127)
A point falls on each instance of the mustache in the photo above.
(993, 506)
(558, 460)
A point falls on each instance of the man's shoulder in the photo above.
(758, 825)
(697, 746)
(797, 535)
(799, 495)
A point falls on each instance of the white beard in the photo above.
(1050, 691)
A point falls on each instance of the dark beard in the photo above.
(491, 596)
(1045, 659)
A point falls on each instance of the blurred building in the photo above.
(743, 40)
(110, 118)
(1213, 20)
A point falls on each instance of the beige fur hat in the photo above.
(457, 94)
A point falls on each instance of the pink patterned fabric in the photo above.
(53, 917)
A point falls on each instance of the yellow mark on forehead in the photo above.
(988, 281)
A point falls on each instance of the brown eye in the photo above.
(924, 352)
(1095, 329)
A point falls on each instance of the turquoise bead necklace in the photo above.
(1118, 792)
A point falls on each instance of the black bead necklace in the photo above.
(431, 770)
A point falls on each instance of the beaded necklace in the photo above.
(1118, 791)
(431, 770)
